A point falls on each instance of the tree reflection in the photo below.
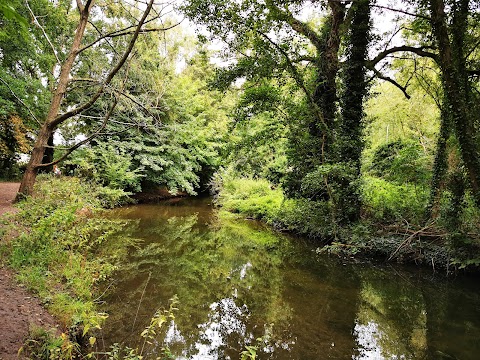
(241, 284)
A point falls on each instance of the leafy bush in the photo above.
(254, 198)
(110, 167)
(307, 217)
(385, 201)
(401, 161)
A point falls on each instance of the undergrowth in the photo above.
(392, 225)
(58, 243)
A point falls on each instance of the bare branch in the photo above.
(35, 21)
(401, 11)
(391, 81)
(100, 33)
(132, 99)
(472, 49)
(127, 31)
(84, 80)
(20, 101)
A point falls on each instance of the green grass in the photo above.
(58, 245)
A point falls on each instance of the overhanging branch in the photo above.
(404, 48)
(390, 80)
(85, 141)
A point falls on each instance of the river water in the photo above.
(240, 284)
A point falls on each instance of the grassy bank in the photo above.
(392, 225)
(58, 245)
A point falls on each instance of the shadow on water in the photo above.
(239, 283)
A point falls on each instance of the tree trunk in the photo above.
(439, 166)
(54, 118)
(349, 144)
(456, 87)
(48, 155)
(325, 94)
(47, 129)
(28, 180)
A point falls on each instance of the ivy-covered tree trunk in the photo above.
(327, 66)
(440, 166)
(349, 144)
(456, 87)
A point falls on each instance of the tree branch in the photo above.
(35, 21)
(85, 141)
(126, 31)
(400, 11)
(404, 48)
(298, 79)
(297, 25)
(390, 80)
(60, 118)
(80, 6)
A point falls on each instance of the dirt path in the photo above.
(8, 191)
(19, 310)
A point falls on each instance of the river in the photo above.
(243, 287)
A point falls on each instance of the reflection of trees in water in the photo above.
(391, 319)
(237, 282)
(416, 319)
(234, 265)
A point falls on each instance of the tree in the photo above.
(460, 107)
(269, 41)
(60, 90)
(168, 124)
(27, 65)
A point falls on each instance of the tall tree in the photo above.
(460, 108)
(55, 116)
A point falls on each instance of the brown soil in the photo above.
(8, 191)
(19, 310)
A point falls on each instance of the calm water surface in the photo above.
(238, 284)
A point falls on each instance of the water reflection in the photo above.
(241, 284)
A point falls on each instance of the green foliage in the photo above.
(170, 129)
(60, 250)
(253, 198)
(392, 117)
(111, 168)
(386, 201)
(108, 166)
(402, 162)
(309, 218)
(46, 345)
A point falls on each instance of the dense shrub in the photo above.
(401, 161)
(109, 167)
(386, 201)
(253, 198)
